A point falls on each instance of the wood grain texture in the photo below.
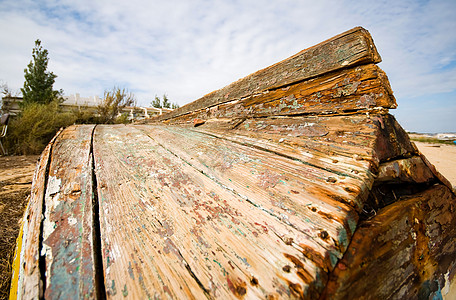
(409, 246)
(167, 229)
(30, 284)
(344, 146)
(369, 138)
(359, 88)
(68, 218)
(405, 170)
(294, 192)
(348, 49)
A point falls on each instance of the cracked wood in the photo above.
(355, 89)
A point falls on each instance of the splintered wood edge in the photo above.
(28, 283)
(356, 89)
(268, 78)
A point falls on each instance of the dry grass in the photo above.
(16, 173)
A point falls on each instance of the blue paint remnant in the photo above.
(220, 265)
(243, 259)
(113, 288)
(333, 258)
(430, 289)
(343, 238)
(130, 271)
(319, 282)
(125, 291)
(352, 225)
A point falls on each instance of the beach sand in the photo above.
(443, 157)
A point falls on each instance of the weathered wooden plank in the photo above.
(68, 218)
(348, 49)
(392, 141)
(324, 136)
(327, 143)
(294, 192)
(354, 89)
(412, 170)
(169, 230)
(352, 144)
(30, 284)
(409, 246)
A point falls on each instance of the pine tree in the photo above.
(166, 103)
(156, 102)
(39, 82)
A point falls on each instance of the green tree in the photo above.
(166, 103)
(113, 103)
(174, 105)
(38, 85)
(156, 102)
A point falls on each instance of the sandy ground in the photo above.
(443, 157)
(16, 174)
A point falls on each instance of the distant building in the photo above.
(446, 136)
(11, 105)
(77, 100)
(138, 113)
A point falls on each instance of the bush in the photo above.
(113, 103)
(31, 131)
(85, 115)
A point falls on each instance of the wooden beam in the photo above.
(345, 50)
(68, 242)
(361, 88)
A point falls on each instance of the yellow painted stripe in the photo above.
(16, 265)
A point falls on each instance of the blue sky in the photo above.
(187, 48)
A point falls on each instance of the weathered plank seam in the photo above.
(193, 275)
(242, 196)
(42, 257)
(346, 112)
(96, 233)
(276, 153)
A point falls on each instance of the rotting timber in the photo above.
(293, 182)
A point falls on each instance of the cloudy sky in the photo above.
(187, 48)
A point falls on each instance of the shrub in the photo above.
(32, 130)
(113, 103)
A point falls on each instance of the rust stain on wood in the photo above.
(358, 88)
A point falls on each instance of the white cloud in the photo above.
(188, 48)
